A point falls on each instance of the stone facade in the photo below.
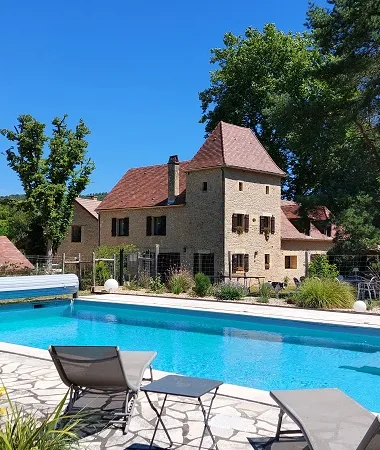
(203, 225)
(221, 212)
(85, 218)
(303, 252)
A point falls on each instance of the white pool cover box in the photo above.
(38, 286)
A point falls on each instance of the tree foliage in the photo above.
(313, 100)
(50, 182)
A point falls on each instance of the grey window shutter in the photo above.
(126, 226)
(163, 222)
(234, 263)
(272, 225)
(246, 223)
(246, 263)
(113, 227)
(149, 226)
(234, 222)
(262, 224)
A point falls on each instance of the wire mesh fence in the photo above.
(360, 265)
(142, 265)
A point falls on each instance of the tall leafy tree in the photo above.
(313, 100)
(50, 182)
(256, 75)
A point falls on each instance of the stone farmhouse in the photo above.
(83, 235)
(220, 213)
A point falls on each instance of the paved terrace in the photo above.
(238, 424)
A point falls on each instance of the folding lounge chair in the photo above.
(329, 420)
(93, 372)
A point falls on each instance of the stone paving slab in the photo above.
(236, 424)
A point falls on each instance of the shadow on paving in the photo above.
(95, 412)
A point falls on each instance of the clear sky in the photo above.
(131, 69)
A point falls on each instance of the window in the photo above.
(204, 262)
(120, 227)
(267, 189)
(240, 263)
(240, 185)
(290, 262)
(267, 224)
(240, 223)
(204, 186)
(76, 233)
(267, 261)
(123, 225)
(156, 226)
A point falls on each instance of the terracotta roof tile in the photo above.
(292, 211)
(145, 186)
(89, 204)
(9, 254)
(230, 145)
(289, 211)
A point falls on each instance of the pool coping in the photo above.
(274, 312)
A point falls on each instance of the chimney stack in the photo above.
(173, 179)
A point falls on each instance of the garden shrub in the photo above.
(266, 292)
(156, 285)
(230, 291)
(202, 284)
(320, 267)
(324, 293)
(102, 272)
(180, 280)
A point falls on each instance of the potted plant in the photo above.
(239, 229)
(266, 233)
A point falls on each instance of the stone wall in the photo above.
(89, 232)
(303, 250)
(253, 200)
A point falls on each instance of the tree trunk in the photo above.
(49, 255)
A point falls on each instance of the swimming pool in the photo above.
(250, 351)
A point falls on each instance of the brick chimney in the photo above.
(173, 179)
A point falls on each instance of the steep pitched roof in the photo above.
(292, 211)
(144, 186)
(234, 146)
(89, 204)
(10, 255)
(289, 211)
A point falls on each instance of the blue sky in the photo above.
(131, 70)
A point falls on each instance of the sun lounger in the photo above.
(95, 372)
(328, 419)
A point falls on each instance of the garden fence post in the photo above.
(121, 267)
(93, 271)
(229, 266)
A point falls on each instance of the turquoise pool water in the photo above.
(249, 351)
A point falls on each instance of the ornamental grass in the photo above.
(324, 293)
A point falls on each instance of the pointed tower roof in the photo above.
(232, 146)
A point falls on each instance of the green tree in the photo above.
(313, 101)
(256, 74)
(349, 34)
(50, 183)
